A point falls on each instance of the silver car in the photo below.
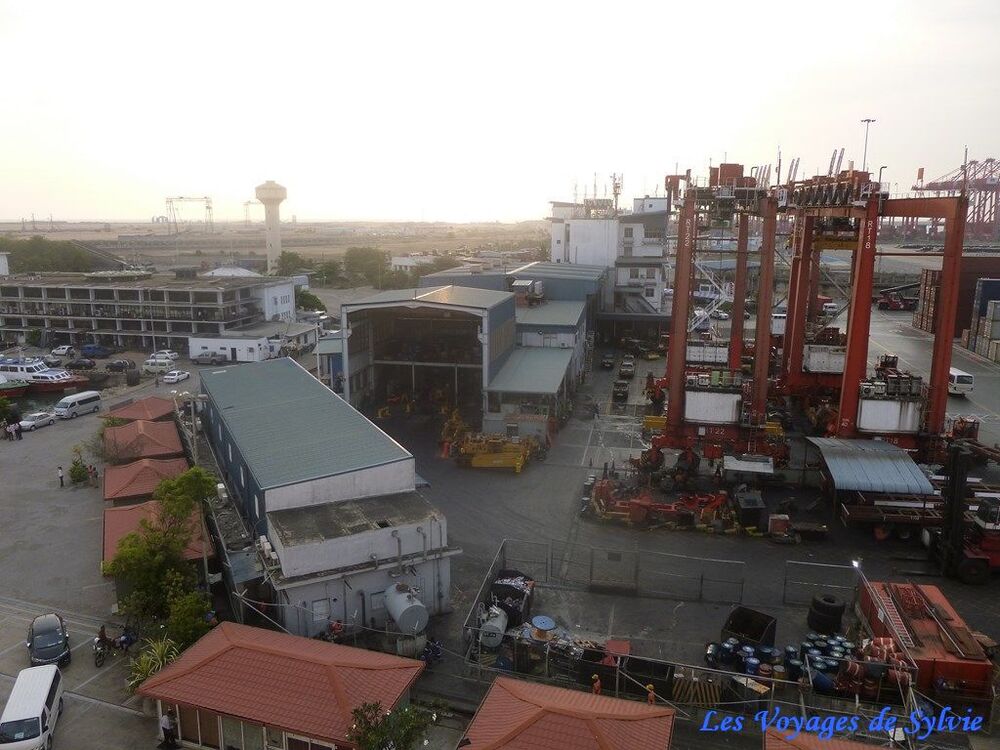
(38, 419)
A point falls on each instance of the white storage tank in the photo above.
(883, 415)
(406, 610)
(712, 407)
(495, 625)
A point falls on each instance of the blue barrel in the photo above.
(822, 682)
(752, 665)
(849, 647)
(734, 643)
(746, 652)
(813, 654)
(813, 637)
(822, 644)
(791, 652)
(793, 668)
(764, 654)
(804, 649)
(837, 653)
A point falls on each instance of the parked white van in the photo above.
(157, 365)
(33, 708)
(76, 404)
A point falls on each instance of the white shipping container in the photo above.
(707, 353)
(712, 407)
(884, 416)
(823, 358)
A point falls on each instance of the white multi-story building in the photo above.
(634, 245)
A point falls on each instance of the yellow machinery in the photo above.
(495, 451)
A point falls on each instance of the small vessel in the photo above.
(40, 377)
(12, 387)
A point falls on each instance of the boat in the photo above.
(40, 377)
(12, 387)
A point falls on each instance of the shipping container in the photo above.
(707, 353)
(819, 358)
(884, 416)
(712, 407)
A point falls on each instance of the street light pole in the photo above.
(864, 158)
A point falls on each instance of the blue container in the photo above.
(804, 649)
(822, 644)
(765, 654)
(793, 668)
(791, 652)
(837, 653)
(813, 654)
(813, 637)
(746, 652)
(752, 665)
(727, 654)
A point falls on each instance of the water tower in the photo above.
(271, 194)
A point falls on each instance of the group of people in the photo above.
(12, 430)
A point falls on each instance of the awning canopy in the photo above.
(871, 466)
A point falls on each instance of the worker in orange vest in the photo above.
(595, 684)
(650, 694)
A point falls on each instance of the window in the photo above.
(650, 292)
(50, 700)
(628, 233)
(208, 723)
(260, 506)
(321, 610)
(650, 273)
(253, 736)
(187, 724)
(232, 733)
(558, 242)
(633, 273)
(241, 475)
(230, 446)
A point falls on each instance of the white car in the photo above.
(165, 354)
(38, 419)
(719, 315)
(176, 376)
(64, 351)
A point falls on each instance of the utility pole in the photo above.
(864, 158)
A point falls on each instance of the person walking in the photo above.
(650, 694)
(167, 727)
(595, 684)
(17, 430)
(61, 481)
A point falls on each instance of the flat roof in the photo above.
(318, 523)
(547, 269)
(532, 369)
(871, 466)
(269, 329)
(291, 428)
(551, 313)
(146, 281)
(459, 296)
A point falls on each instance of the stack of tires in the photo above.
(826, 614)
(132, 377)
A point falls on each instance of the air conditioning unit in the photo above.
(691, 380)
(867, 390)
(881, 388)
(563, 344)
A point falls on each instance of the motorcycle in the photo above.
(103, 646)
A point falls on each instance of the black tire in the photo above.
(823, 624)
(51, 422)
(32, 428)
(973, 571)
(828, 605)
(99, 657)
(72, 415)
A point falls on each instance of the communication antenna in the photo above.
(616, 188)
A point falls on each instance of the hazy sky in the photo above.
(470, 111)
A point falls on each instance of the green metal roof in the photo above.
(551, 313)
(532, 369)
(443, 295)
(291, 428)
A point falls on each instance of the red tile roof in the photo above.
(775, 740)
(151, 408)
(297, 684)
(137, 480)
(124, 519)
(518, 715)
(142, 439)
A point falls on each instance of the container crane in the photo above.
(173, 210)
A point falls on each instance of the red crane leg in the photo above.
(677, 350)
(951, 265)
(799, 303)
(739, 294)
(765, 298)
(814, 272)
(859, 321)
(793, 284)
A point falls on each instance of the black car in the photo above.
(81, 363)
(619, 391)
(48, 640)
(608, 362)
(120, 365)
